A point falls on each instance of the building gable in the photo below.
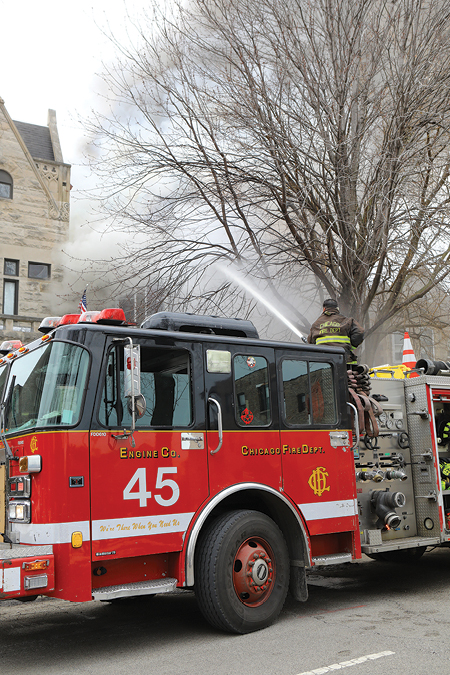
(37, 139)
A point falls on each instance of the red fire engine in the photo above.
(188, 453)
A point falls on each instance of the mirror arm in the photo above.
(129, 434)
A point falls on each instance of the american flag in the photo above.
(83, 302)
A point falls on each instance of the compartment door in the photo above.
(318, 465)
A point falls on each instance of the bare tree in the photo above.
(308, 142)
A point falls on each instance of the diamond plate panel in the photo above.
(423, 470)
(8, 553)
(138, 588)
(373, 537)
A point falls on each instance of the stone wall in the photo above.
(34, 226)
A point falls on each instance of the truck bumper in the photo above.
(26, 571)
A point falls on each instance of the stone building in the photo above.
(34, 223)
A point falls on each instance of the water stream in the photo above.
(238, 278)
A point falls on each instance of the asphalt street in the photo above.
(365, 618)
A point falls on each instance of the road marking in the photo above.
(346, 664)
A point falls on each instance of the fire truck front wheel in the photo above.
(242, 572)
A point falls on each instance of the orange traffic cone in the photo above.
(409, 360)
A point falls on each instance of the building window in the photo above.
(397, 348)
(11, 267)
(6, 185)
(10, 296)
(39, 270)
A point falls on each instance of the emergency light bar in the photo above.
(89, 317)
(111, 316)
(9, 346)
(68, 319)
(49, 323)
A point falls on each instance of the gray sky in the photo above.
(51, 51)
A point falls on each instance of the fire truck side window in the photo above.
(165, 384)
(308, 391)
(251, 385)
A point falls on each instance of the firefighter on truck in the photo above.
(189, 453)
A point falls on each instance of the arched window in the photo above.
(6, 185)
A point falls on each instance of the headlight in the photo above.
(20, 511)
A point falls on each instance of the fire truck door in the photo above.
(318, 465)
(147, 487)
(242, 416)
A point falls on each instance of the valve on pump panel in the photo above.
(385, 503)
(378, 475)
(395, 474)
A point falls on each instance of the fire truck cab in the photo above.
(188, 453)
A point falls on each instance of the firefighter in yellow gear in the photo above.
(444, 465)
(333, 329)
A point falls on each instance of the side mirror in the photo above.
(132, 370)
(140, 405)
(132, 388)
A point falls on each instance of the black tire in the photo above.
(241, 572)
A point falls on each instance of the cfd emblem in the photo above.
(247, 416)
(318, 481)
(33, 444)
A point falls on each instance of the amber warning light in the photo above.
(36, 565)
(30, 464)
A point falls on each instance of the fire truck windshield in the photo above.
(45, 387)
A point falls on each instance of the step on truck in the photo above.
(190, 454)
